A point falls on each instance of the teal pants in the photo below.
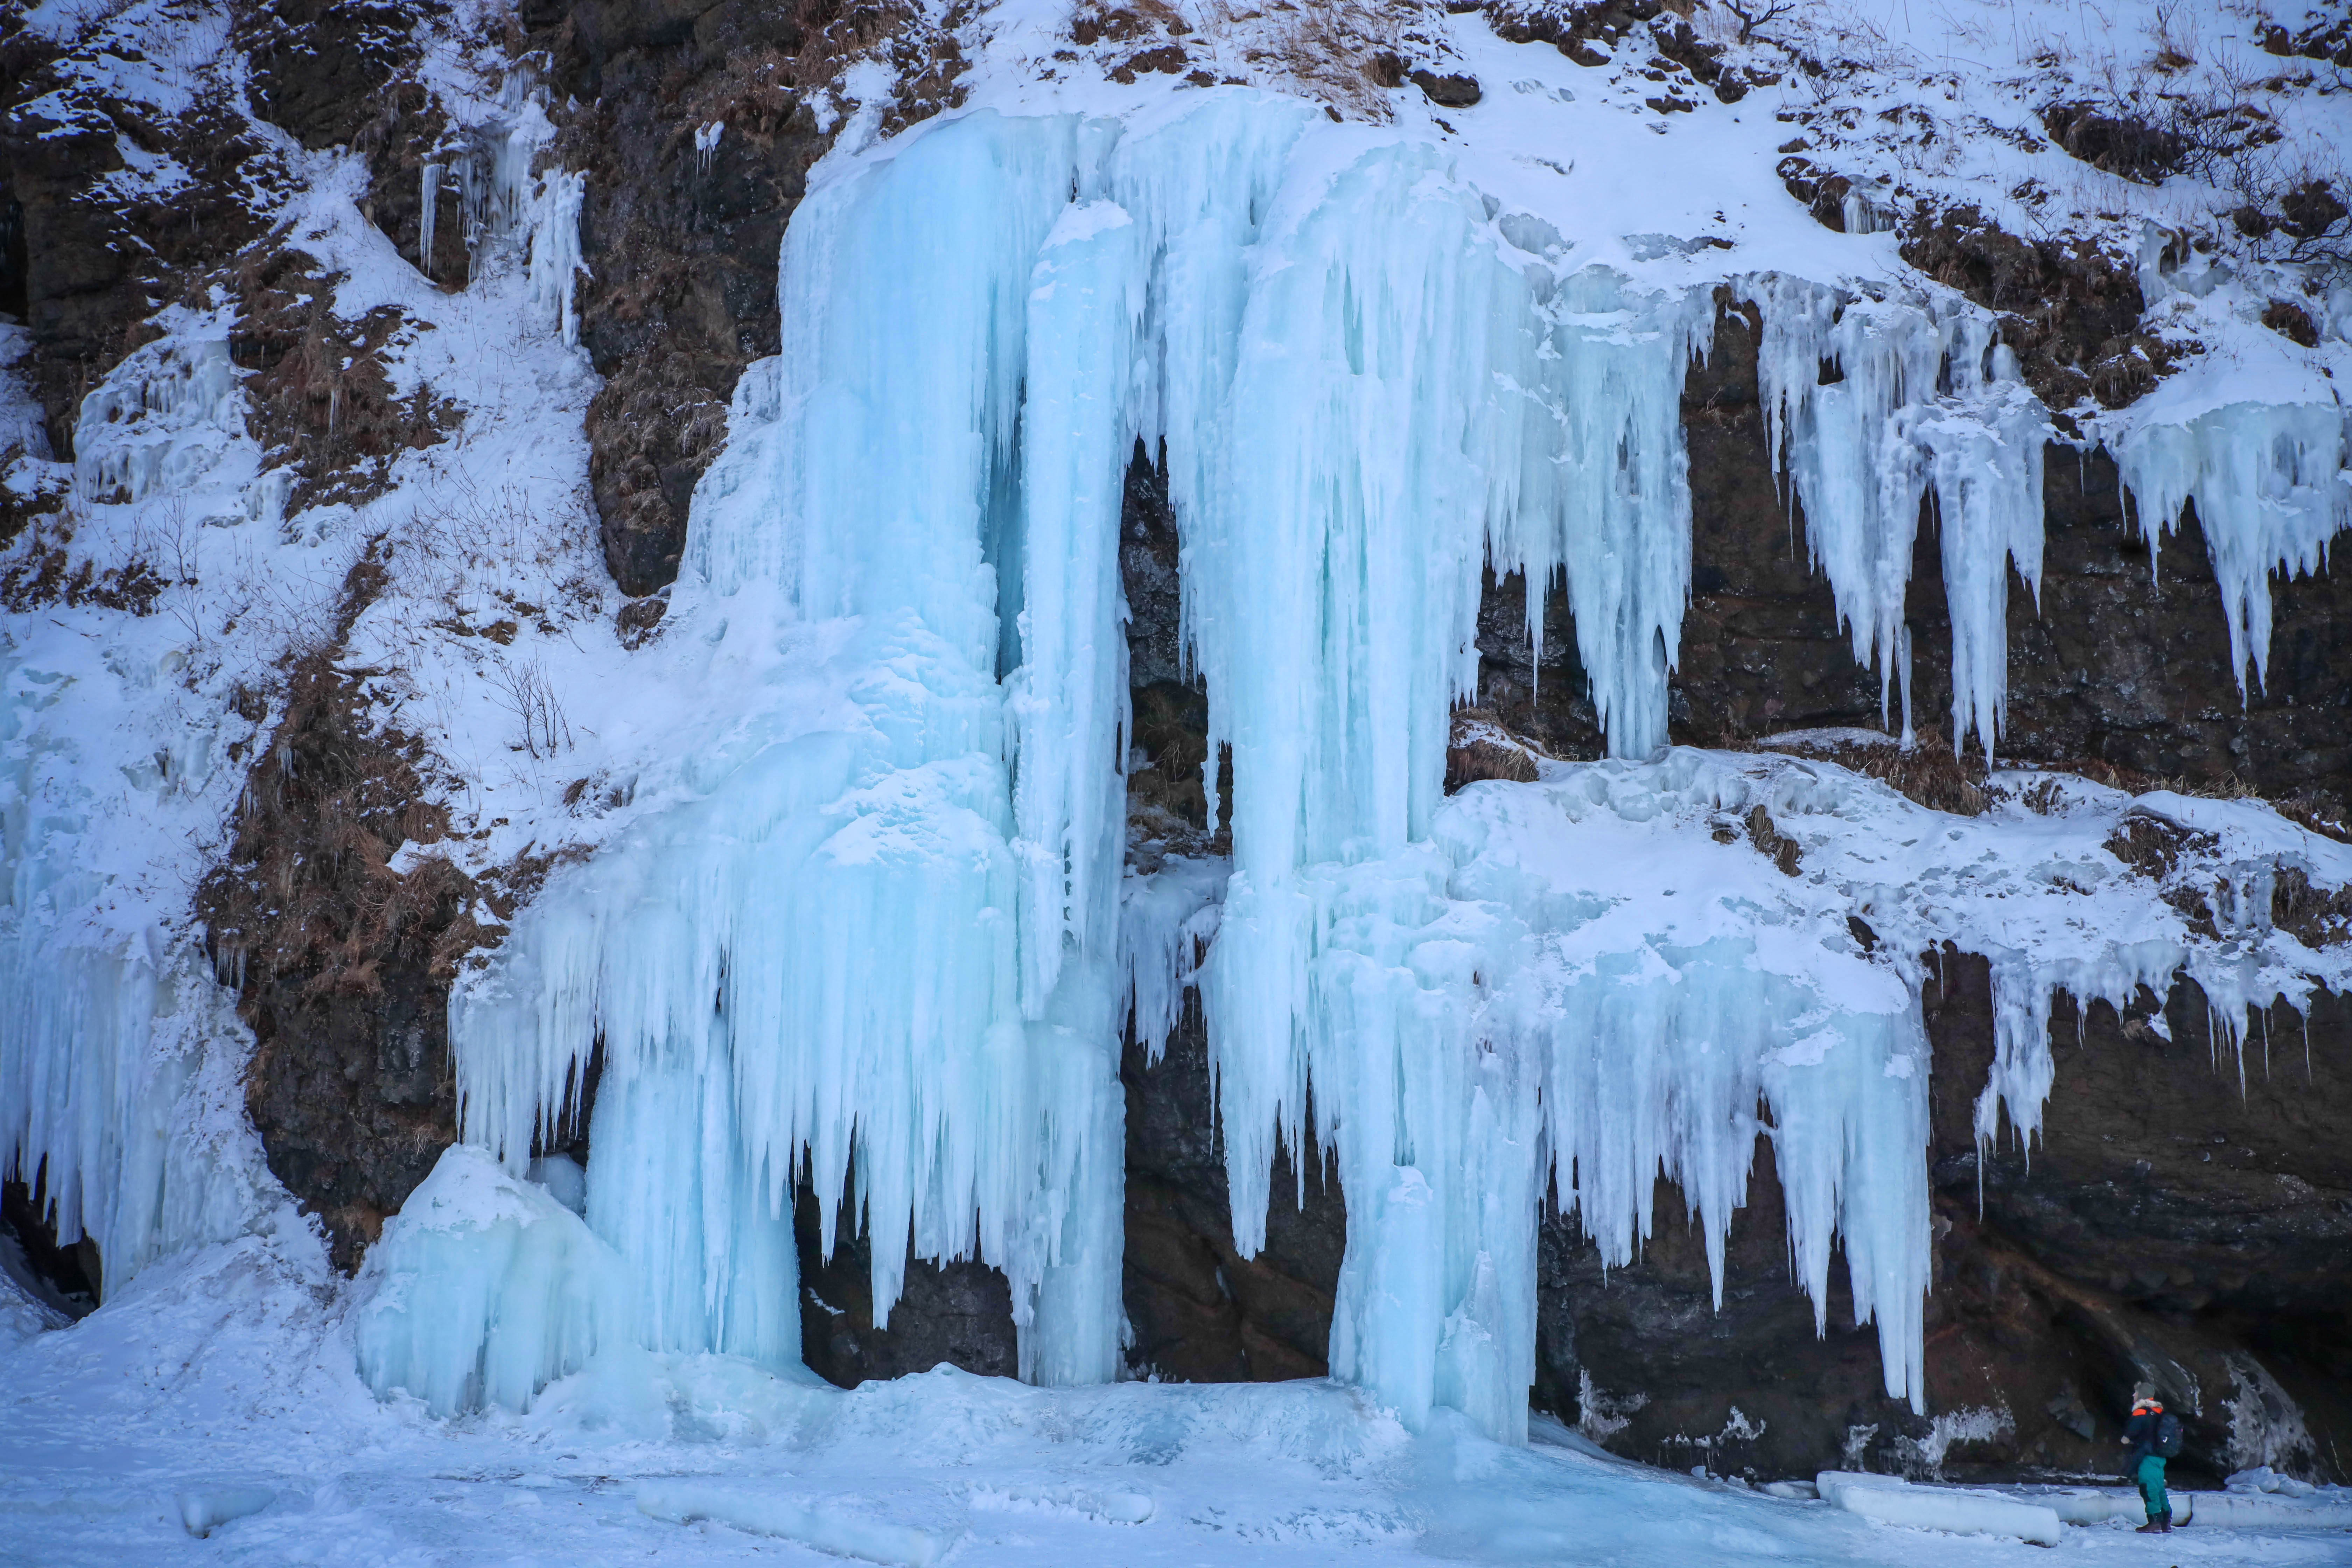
(2151, 1476)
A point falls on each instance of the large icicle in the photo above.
(2270, 489)
(1405, 397)
(1069, 704)
(1926, 395)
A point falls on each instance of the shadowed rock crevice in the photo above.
(957, 1313)
(1199, 1311)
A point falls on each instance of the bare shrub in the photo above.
(1341, 52)
(523, 690)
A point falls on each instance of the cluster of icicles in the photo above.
(886, 949)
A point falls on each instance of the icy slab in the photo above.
(1890, 1500)
(2099, 1505)
(2326, 1508)
(1830, 738)
(1101, 1505)
(820, 1522)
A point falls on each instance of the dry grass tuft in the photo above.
(1928, 772)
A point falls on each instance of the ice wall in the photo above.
(165, 418)
(112, 1102)
(894, 925)
(890, 926)
(877, 931)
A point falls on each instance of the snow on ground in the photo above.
(224, 1374)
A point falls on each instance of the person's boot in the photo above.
(2153, 1527)
(2169, 1526)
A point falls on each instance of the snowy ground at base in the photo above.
(226, 1373)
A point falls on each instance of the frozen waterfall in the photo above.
(877, 931)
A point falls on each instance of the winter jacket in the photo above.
(2139, 1432)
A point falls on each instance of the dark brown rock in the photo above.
(955, 1313)
(2073, 308)
(94, 262)
(64, 1278)
(2117, 143)
(1447, 91)
(1201, 1312)
(341, 965)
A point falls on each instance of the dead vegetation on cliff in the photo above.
(340, 918)
(1346, 55)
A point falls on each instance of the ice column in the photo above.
(1403, 400)
(1925, 395)
(880, 940)
(428, 216)
(554, 263)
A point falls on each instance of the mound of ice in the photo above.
(205, 1509)
(2263, 1479)
(483, 1288)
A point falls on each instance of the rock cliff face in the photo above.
(2179, 1220)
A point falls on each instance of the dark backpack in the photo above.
(2167, 1435)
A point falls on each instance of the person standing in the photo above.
(2152, 1435)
